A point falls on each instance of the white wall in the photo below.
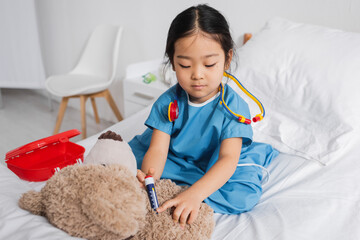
(66, 24)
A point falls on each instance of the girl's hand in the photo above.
(141, 176)
(187, 205)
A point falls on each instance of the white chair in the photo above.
(91, 77)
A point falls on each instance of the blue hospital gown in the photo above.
(195, 143)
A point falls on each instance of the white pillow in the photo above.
(307, 78)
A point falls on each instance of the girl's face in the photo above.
(199, 63)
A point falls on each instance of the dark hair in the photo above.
(195, 19)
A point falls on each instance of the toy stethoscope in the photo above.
(173, 110)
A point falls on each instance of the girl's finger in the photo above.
(183, 218)
(140, 175)
(138, 172)
(151, 171)
(177, 213)
(193, 216)
(165, 206)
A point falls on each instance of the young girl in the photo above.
(203, 146)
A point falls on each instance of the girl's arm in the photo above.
(188, 202)
(155, 157)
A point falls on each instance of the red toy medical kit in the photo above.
(39, 160)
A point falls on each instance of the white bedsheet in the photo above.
(302, 200)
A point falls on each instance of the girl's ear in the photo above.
(172, 65)
(229, 58)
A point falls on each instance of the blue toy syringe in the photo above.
(150, 188)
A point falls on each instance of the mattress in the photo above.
(301, 200)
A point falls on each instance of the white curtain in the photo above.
(21, 63)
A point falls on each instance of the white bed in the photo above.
(313, 193)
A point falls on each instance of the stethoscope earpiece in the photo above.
(241, 118)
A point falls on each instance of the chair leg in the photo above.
(50, 101)
(1, 103)
(83, 115)
(93, 103)
(61, 113)
(113, 105)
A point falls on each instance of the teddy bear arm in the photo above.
(110, 218)
(32, 202)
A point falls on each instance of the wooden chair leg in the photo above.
(83, 115)
(61, 113)
(112, 104)
(93, 103)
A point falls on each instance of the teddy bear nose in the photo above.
(103, 165)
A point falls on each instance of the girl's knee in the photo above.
(246, 197)
(235, 198)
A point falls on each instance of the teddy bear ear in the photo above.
(32, 202)
(111, 135)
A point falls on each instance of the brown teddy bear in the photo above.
(102, 199)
